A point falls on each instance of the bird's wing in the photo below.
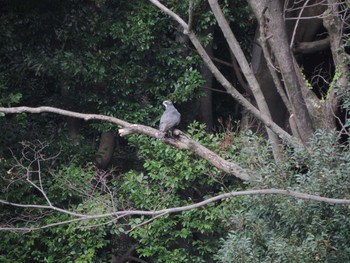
(169, 120)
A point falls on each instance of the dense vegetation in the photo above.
(123, 58)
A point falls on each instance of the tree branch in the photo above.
(42, 207)
(170, 13)
(297, 23)
(311, 47)
(156, 213)
(183, 141)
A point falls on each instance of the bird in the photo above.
(170, 118)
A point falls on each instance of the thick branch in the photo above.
(183, 141)
(311, 47)
(190, 14)
(120, 214)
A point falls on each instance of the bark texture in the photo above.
(205, 101)
(105, 149)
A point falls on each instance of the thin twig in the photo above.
(297, 23)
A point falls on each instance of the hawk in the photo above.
(170, 118)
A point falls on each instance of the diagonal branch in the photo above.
(183, 141)
(170, 13)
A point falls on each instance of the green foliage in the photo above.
(117, 58)
(283, 229)
(171, 178)
(122, 58)
(70, 243)
(73, 188)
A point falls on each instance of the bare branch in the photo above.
(83, 116)
(237, 71)
(156, 213)
(171, 13)
(183, 142)
(42, 207)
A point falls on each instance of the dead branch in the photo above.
(297, 23)
(121, 214)
(183, 141)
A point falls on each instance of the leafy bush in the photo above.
(172, 178)
(70, 188)
(283, 229)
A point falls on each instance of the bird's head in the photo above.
(167, 103)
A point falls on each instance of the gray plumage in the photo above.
(170, 118)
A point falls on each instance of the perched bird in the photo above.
(170, 118)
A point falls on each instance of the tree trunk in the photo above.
(269, 14)
(105, 149)
(334, 24)
(73, 124)
(205, 101)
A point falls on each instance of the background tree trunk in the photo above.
(73, 124)
(261, 71)
(105, 150)
(205, 101)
